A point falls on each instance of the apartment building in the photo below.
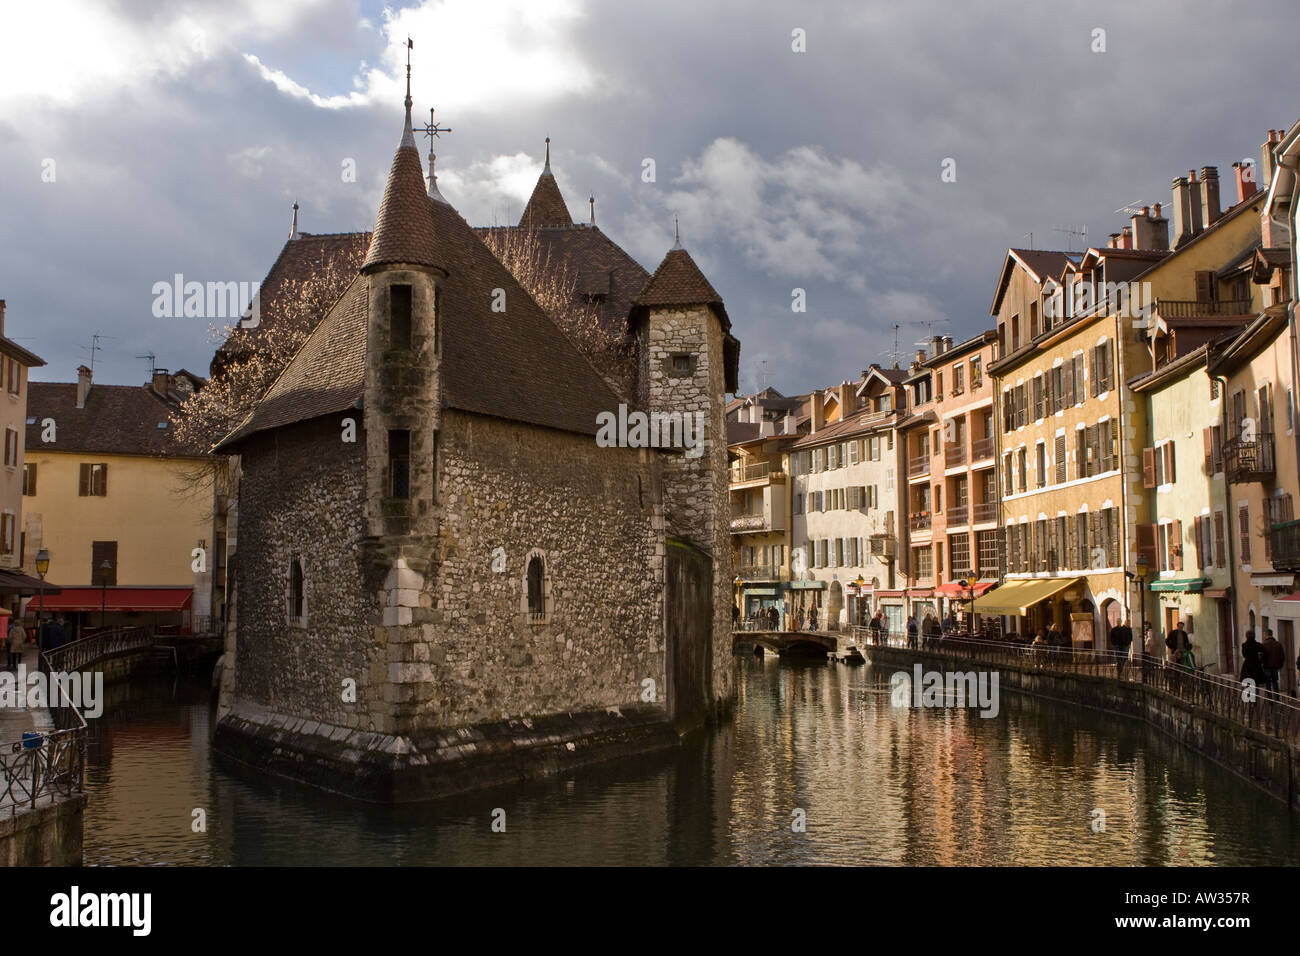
(845, 482)
(950, 440)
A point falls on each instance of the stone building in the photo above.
(441, 579)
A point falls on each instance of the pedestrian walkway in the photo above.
(14, 722)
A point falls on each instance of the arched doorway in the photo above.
(1112, 615)
(835, 604)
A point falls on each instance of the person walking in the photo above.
(14, 643)
(812, 618)
(1252, 667)
(1121, 642)
(911, 631)
(1273, 656)
(878, 628)
(1151, 645)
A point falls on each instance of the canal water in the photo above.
(816, 767)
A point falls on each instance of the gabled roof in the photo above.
(1039, 263)
(515, 365)
(859, 422)
(679, 281)
(117, 420)
(1253, 339)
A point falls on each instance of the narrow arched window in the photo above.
(536, 587)
(297, 604)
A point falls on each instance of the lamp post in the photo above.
(860, 583)
(104, 569)
(1141, 567)
(970, 583)
(42, 568)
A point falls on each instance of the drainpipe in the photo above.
(1123, 482)
(1229, 512)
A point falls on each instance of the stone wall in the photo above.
(302, 494)
(47, 836)
(696, 497)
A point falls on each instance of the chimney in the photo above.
(83, 385)
(818, 412)
(1210, 211)
(1150, 231)
(1187, 208)
(767, 429)
(790, 424)
(947, 343)
(1113, 241)
(1267, 166)
(162, 381)
(1245, 176)
(1126, 238)
(920, 357)
(936, 345)
(2, 318)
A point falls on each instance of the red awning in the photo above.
(1293, 596)
(920, 592)
(117, 599)
(953, 589)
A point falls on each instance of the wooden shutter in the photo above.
(1078, 378)
(1177, 549)
(1220, 556)
(1146, 543)
(1096, 367)
(1204, 286)
(1198, 528)
(1148, 467)
(1067, 372)
(1170, 476)
(1094, 449)
(83, 489)
(1207, 436)
(29, 479)
(1060, 459)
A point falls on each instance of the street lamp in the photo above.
(42, 568)
(104, 569)
(970, 581)
(860, 583)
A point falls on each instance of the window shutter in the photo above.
(1148, 467)
(1204, 286)
(1198, 528)
(1094, 450)
(1146, 543)
(1177, 529)
(1207, 436)
(1220, 558)
(83, 488)
(1078, 379)
(1169, 463)
(101, 480)
(1092, 380)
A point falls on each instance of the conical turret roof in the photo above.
(546, 205)
(404, 229)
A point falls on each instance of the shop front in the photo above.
(958, 597)
(806, 598)
(1026, 606)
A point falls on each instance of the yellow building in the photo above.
(124, 512)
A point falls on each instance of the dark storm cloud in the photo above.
(818, 170)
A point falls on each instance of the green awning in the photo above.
(808, 585)
(1191, 585)
(761, 592)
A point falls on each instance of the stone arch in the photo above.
(536, 601)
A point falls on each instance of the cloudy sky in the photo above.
(139, 140)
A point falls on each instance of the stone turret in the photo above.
(688, 359)
(401, 412)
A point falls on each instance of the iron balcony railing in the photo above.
(97, 647)
(755, 523)
(920, 521)
(1247, 461)
(764, 469)
(1285, 541)
(763, 572)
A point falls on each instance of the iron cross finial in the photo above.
(432, 129)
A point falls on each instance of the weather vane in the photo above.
(432, 129)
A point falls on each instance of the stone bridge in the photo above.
(813, 643)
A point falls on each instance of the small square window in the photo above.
(682, 364)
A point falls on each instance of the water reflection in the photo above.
(877, 785)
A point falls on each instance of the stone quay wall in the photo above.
(1271, 764)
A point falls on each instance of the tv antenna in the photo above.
(152, 363)
(1133, 208)
(93, 348)
(896, 327)
(1071, 233)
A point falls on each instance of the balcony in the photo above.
(920, 465)
(986, 511)
(981, 449)
(763, 572)
(954, 454)
(919, 521)
(764, 471)
(1246, 461)
(958, 515)
(1191, 309)
(751, 524)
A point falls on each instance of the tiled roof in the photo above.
(858, 423)
(515, 364)
(1044, 263)
(117, 420)
(679, 281)
(591, 257)
(546, 206)
(403, 233)
(332, 258)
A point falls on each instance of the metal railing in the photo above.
(764, 469)
(1285, 541)
(958, 515)
(1269, 712)
(44, 768)
(753, 523)
(762, 572)
(981, 448)
(96, 647)
(985, 511)
(954, 454)
(918, 466)
(919, 522)
(1246, 461)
